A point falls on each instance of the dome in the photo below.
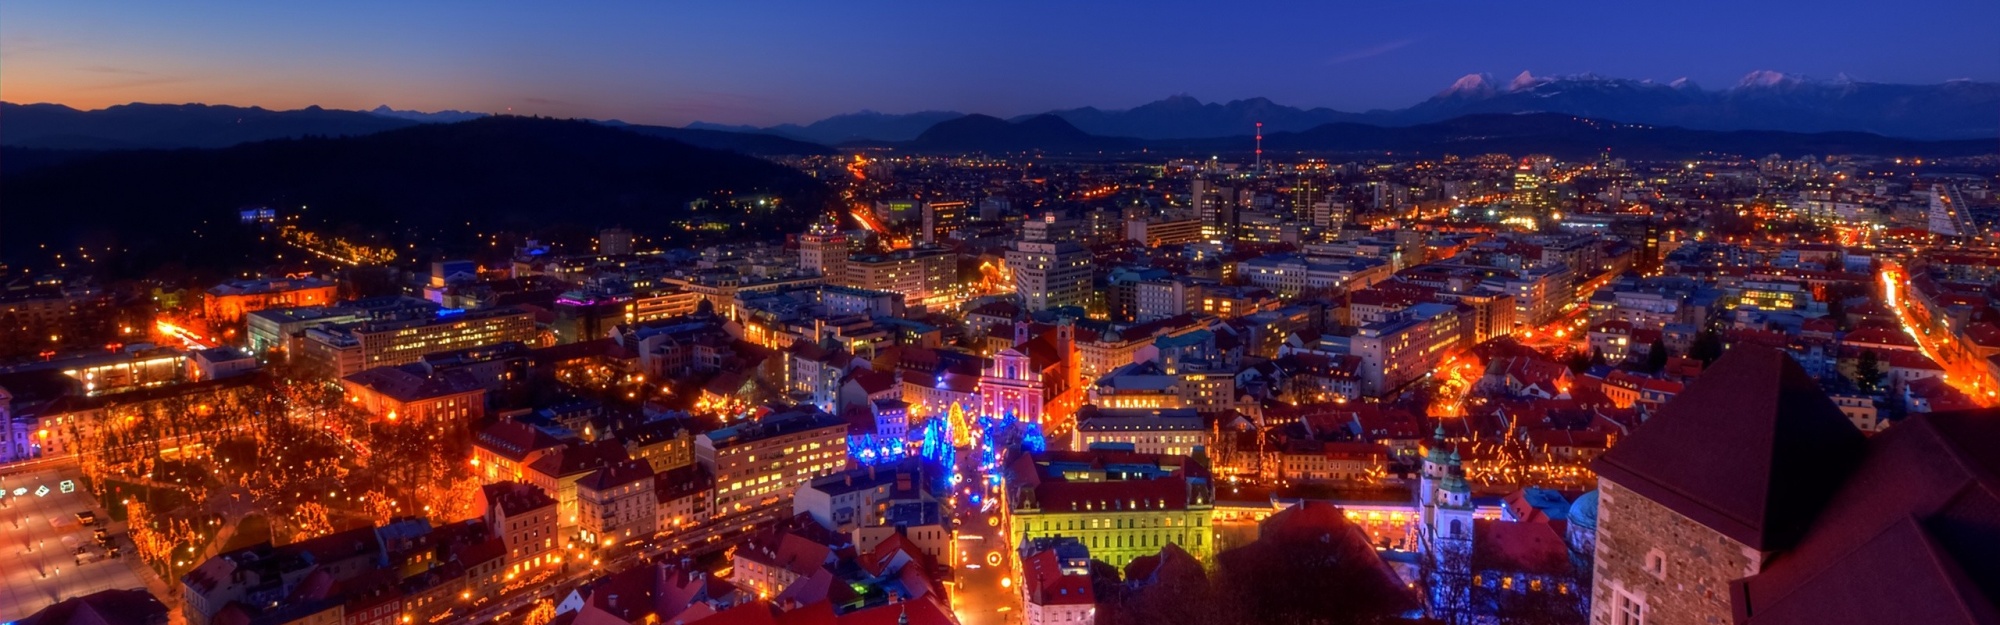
(1584, 511)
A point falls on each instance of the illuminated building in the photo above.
(1137, 386)
(1056, 586)
(614, 242)
(1121, 505)
(922, 275)
(524, 517)
(559, 471)
(279, 330)
(230, 301)
(1400, 350)
(616, 504)
(503, 451)
(52, 316)
(685, 496)
(758, 464)
(1026, 380)
(410, 395)
(1099, 353)
(101, 371)
(1230, 302)
(1289, 274)
(666, 444)
(1050, 274)
(664, 304)
(1305, 461)
(351, 348)
(221, 362)
(899, 211)
(1171, 297)
(1172, 431)
(1158, 232)
(859, 497)
(943, 219)
(823, 250)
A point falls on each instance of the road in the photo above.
(985, 573)
(1963, 371)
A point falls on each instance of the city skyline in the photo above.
(675, 66)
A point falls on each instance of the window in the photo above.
(1656, 563)
(1627, 609)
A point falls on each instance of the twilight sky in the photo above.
(758, 62)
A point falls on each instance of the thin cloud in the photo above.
(1371, 51)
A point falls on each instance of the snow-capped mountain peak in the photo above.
(1527, 81)
(1471, 85)
(1768, 78)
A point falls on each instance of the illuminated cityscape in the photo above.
(1510, 355)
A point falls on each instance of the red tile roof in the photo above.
(1535, 548)
(1751, 450)
(1908, 540)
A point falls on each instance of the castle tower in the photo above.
(1727, 474)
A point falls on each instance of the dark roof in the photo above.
(1910, 538)
(105, 607)
(1752, 450)
(410, 383)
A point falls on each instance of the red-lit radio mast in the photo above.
(1260, 149)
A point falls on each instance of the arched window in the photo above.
(1457, 529)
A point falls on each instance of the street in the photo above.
(39, 539)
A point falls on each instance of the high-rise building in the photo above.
(942, 219)
(1050, 274)
(614, 241)
(921, 275)
(823, 249)
(1406, 346)
(900, 211)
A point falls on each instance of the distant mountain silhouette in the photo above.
(162, 126)
(754, 143)
(1573, 137)
(1183, 117)
(861, 126)
(132, 126)
(433, 117)
(982, 133)
(430, 184)
(1760, 101)
(1561, 135)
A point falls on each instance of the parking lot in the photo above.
(39, 538)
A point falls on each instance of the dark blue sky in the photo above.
(762, 63)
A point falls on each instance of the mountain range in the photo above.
(1558, 134)
(171, 126)
(1762, 100)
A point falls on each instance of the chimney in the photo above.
(871, 473)
(850, 479)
